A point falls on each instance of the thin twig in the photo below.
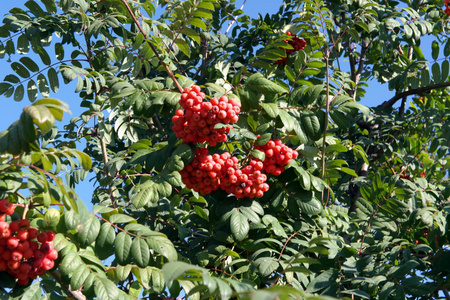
(166, 67)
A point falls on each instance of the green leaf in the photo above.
(20, 70)
(53, 79)
(435, 50)
(183, 46)
(70, 262)
(33, 292)
(122, 248)
(105, 241)
(145, 196)
(43, 85)
(445, 70)
(197, 22)
(23, 46)
(425, 77)
(105, 289)
(19, 92)
(174, 270)
(239, 225)
(311, 207)
(271, 109)
(88, 230)
(163, 246)
(436, 72)
(174, 178)
(140, 252)
(260, 84)
(59, 51)
(192, 34)
(78, 277)
(122, 272)
(32, 90)
(121, 218)
(311, 124)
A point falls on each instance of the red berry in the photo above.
(3, 226)
(53, 254)
(50, 236)
(14, 226)
(32, 233)
(22, 234)
(42, 237)
(24, 224)
(16, 255)
(47, 264)
(23, 246)
(12, 243)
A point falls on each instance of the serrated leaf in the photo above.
(70, 262)
(239, 225)
(88, 230)
(311, 207)
(105, 241)
(140, 252)
(105, 289)
(192, 34)
(184, 46)
(174, 178)
(163, 246)
(32, 293)
(311, 124)
(145, 196)
(122, 248)
(258, 154)
(121, 218)
(197, 22)
(259, 83)
(271, 109)
(78, 277)
(122, 272)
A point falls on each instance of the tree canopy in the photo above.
(231, 156)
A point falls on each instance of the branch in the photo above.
(166, 67)
(78, 295)
(389, 103)
(108, 173)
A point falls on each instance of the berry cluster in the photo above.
(246, 181)
(204, 172)
(447, 7)
(296, 43)
(24, 252)
(195, 122)
(277, 155)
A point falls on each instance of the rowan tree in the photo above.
(231, 157)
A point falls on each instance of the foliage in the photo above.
(362, 213)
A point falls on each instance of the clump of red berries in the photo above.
(24, 252)
(277, 156)
(195, 121)
(248, 181)
(296, 43)
(447, 8)
(203, 174)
